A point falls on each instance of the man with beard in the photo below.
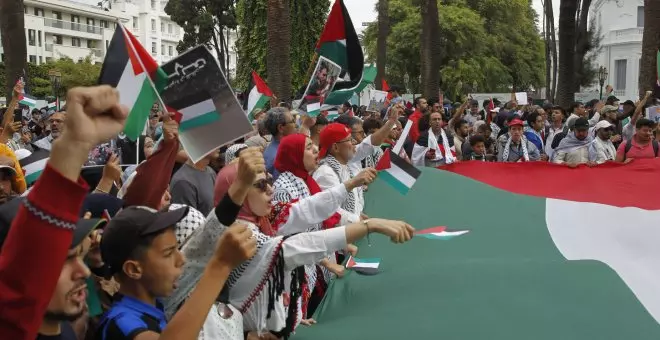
(602, 149)
(574, 148)
(56, 123)
(432, 147)
(42, 240)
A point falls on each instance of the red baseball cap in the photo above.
(515, 122)
(332, 134)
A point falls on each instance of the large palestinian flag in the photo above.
(136, 75)
(552, 253)
(340, 43)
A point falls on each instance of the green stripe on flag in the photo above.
(139, 114)
(395, 183)
(203, 119)
(259, 105)
(335, 51)
(31, 178)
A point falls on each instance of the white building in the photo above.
(61, 28)
(621, 24)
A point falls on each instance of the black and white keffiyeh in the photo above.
(349, 203)
(187, 226)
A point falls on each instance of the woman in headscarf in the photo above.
(296, 159)
(256, 288)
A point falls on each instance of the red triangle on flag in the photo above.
(384, 163)
(431, 230)
(261, 85)
(351, 262)
(140, 52)
(177, 115)
(334, 29)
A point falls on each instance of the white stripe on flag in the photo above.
(253, 98)
(196, 110)
(401, 175)
(366, 265)
(404, 135)
(130, 86)
(34, 168)
(450, 233)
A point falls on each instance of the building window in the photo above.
(135, 23)
(162, 49)
(91, 43)
(153, 25)
(75, 18)
(103, 24)
(49, 59)
(33, 59)
(38, 12)
(640, 16)
(57, 15)
(153, 4)
(39, 37)
(169, 28)
(154, 49)
(91, 22)
(620, 69)
(32, 39)
(169, 50)
(75, 42)
(41, 60)
(57, 39)
(162, 27)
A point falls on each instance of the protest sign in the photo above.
(203, 102)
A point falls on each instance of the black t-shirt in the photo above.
(66, 333)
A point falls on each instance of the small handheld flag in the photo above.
(259, 95)
(398, 173)
(440, 233)
(364, 266)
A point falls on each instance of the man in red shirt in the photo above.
(421, 108)
(641, 145)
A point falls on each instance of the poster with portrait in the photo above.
(376, 100)
(322, 81)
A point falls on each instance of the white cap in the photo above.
(603, 124)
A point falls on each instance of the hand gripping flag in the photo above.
(398, 173)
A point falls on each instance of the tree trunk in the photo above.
(581, 43)
(566, 83)
(548, 57)
(430, 49)
(553, 50)
(648, 71)
(12, 33)
(383, 32)
(278, 58)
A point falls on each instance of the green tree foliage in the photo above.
(204, 22)
(83, 73)
(307, 20)
(493, 44)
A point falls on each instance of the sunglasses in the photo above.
(264, 183)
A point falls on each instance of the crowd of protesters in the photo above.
(243, 243)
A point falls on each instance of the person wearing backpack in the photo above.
(641, 145)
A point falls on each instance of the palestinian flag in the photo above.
(541, 261)
(194, 111)
(340, 43)
(52, 106)
(136, 75)
(364, 266)
(332, 115)
(398, 173)
(440, 233)
(28, 100)
(313, 107)
(34, 164)
(258, 97)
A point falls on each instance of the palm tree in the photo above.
(567, 25)
(650, 44)
(383, 32)
(12, 33)
(278, 57)
(430, 48)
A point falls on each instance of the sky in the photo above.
(365, 11)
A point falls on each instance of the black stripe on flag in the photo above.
(36, 156)
(405, 166)
(189, 100)
(115, 59)
(246, 93)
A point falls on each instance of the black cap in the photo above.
(612, 98)
(629, 102)
(581, 124)
(124, 232)
(9, 210)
